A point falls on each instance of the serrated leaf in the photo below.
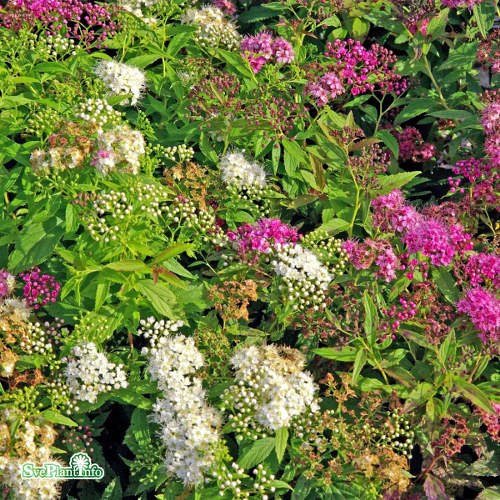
(359, 363)
(173, 251)
(389, 183)
(161, 298)
(258, 452)
(56, 418)
(473, 394)
(347, 354)
(389, 140)
(281, 442)
(446, 284)
(129, 266)
(415, 108)
(484, 14)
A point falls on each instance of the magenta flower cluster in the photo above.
(412, 146)
(427, 235)
(453, 4)
(226, 6)
(328, 87)
(262, 236)
(365, 70)
(39, 289)
(483, 309)
(86, 22)
(391, 212)
(262, 48)
(437, 241)
(482, 268)
(491, 125)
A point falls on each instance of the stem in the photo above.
(433, 80)
(356, 209)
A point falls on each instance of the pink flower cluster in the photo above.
(483, 178)
(413, 147)
(391, 212)
(226, 6)
(428, 235)
(483, 309)
(84, 21)
(261, 48)
(326, 88)
(39, 289)
(482, 267)
(491, 126)
(453, 4)
(262, 236)
(363, 254)
(437, 241)
(5, 287)
(365, 70)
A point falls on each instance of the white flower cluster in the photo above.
(89, 373)
(306, 278)
(156, 331)
(135, 8)
(213, 28)
(119, 149)
(271, 388)
(179, 153)
(189, 426)
(122, 79)
(236, 170)
(98, 111)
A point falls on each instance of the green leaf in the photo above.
(177, 42)
(113, 491)
(370, 315)
(335, 226)
(420, 395)
(389, 140)
(101, 294)
(347, 354)
(281, 442)
(56, 418)
(130, 396)
(173, 251)
(492, 493)
(257, 14)
(446, 284)
(484, 14)
(359, 363)
(142, 61)
(389, 183)
(161, 298)
(35, 244)
(437, 24)
(258, 452)
(129, 266)
(452, 114)
(415, 108)
(473, 394)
